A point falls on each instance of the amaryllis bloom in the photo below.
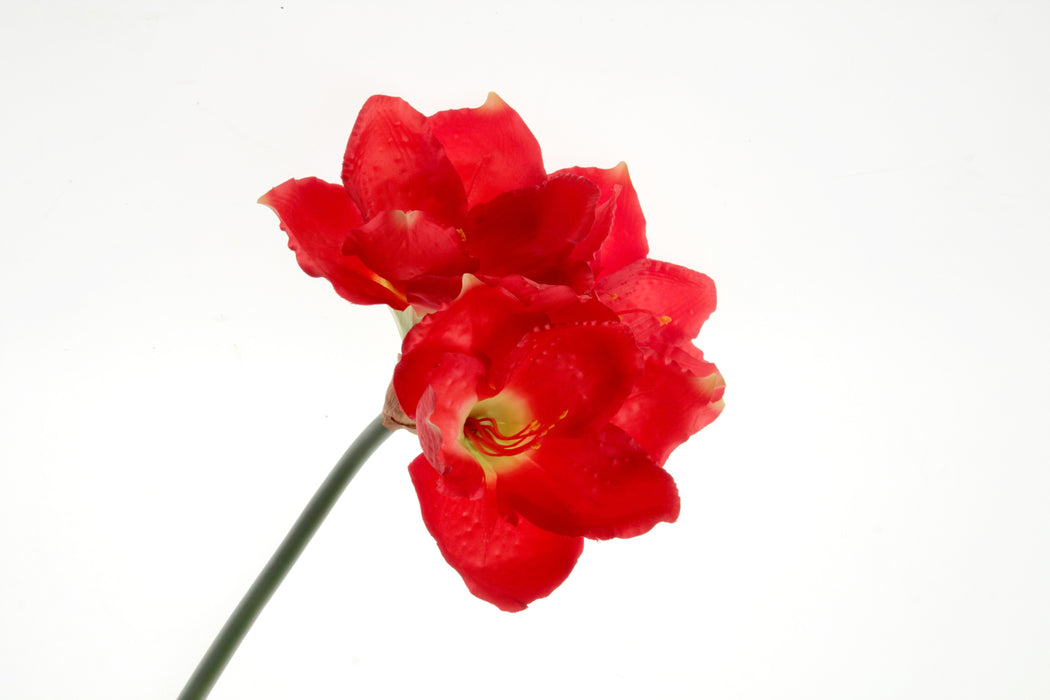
(425, 200)
(553, 370)
(545, 417)
(547, 363)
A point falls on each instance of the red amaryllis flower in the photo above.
(424, 200)
(551, 371)
(545, 417)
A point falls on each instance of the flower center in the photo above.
(486, 435)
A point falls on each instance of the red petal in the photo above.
(600, 486)
(533, 231)
(619, 226)
(507, 565)
(573, 378)
(689, 358)
(420, 257)
(452, 389)
(668, 404)
(560, 303)
(485, 323)
(491, 148)
(318, 217)
(392, 161)
(661, 302)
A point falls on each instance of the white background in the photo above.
(867, 183)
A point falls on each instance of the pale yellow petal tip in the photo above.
(267, 200)
(469, 282)
(493, 101)
(715, 386)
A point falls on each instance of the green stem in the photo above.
(221, 650)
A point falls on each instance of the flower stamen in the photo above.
(487, 437)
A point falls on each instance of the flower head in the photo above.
(545, 419)
(547, 365)
(425, 200)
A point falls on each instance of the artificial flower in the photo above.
(425, 200)
(548, 365)
(545, 418)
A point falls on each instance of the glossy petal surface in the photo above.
(490, 147)
(508, 565)
(392, 161)
(453, 388)
(421, 258)
(487, 323)
(618, 236)
(598, 486)
(533, 231)
(573, 377)
(668, 404)
(660, 301)
(318, 217)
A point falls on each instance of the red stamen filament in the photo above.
(486, 436)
